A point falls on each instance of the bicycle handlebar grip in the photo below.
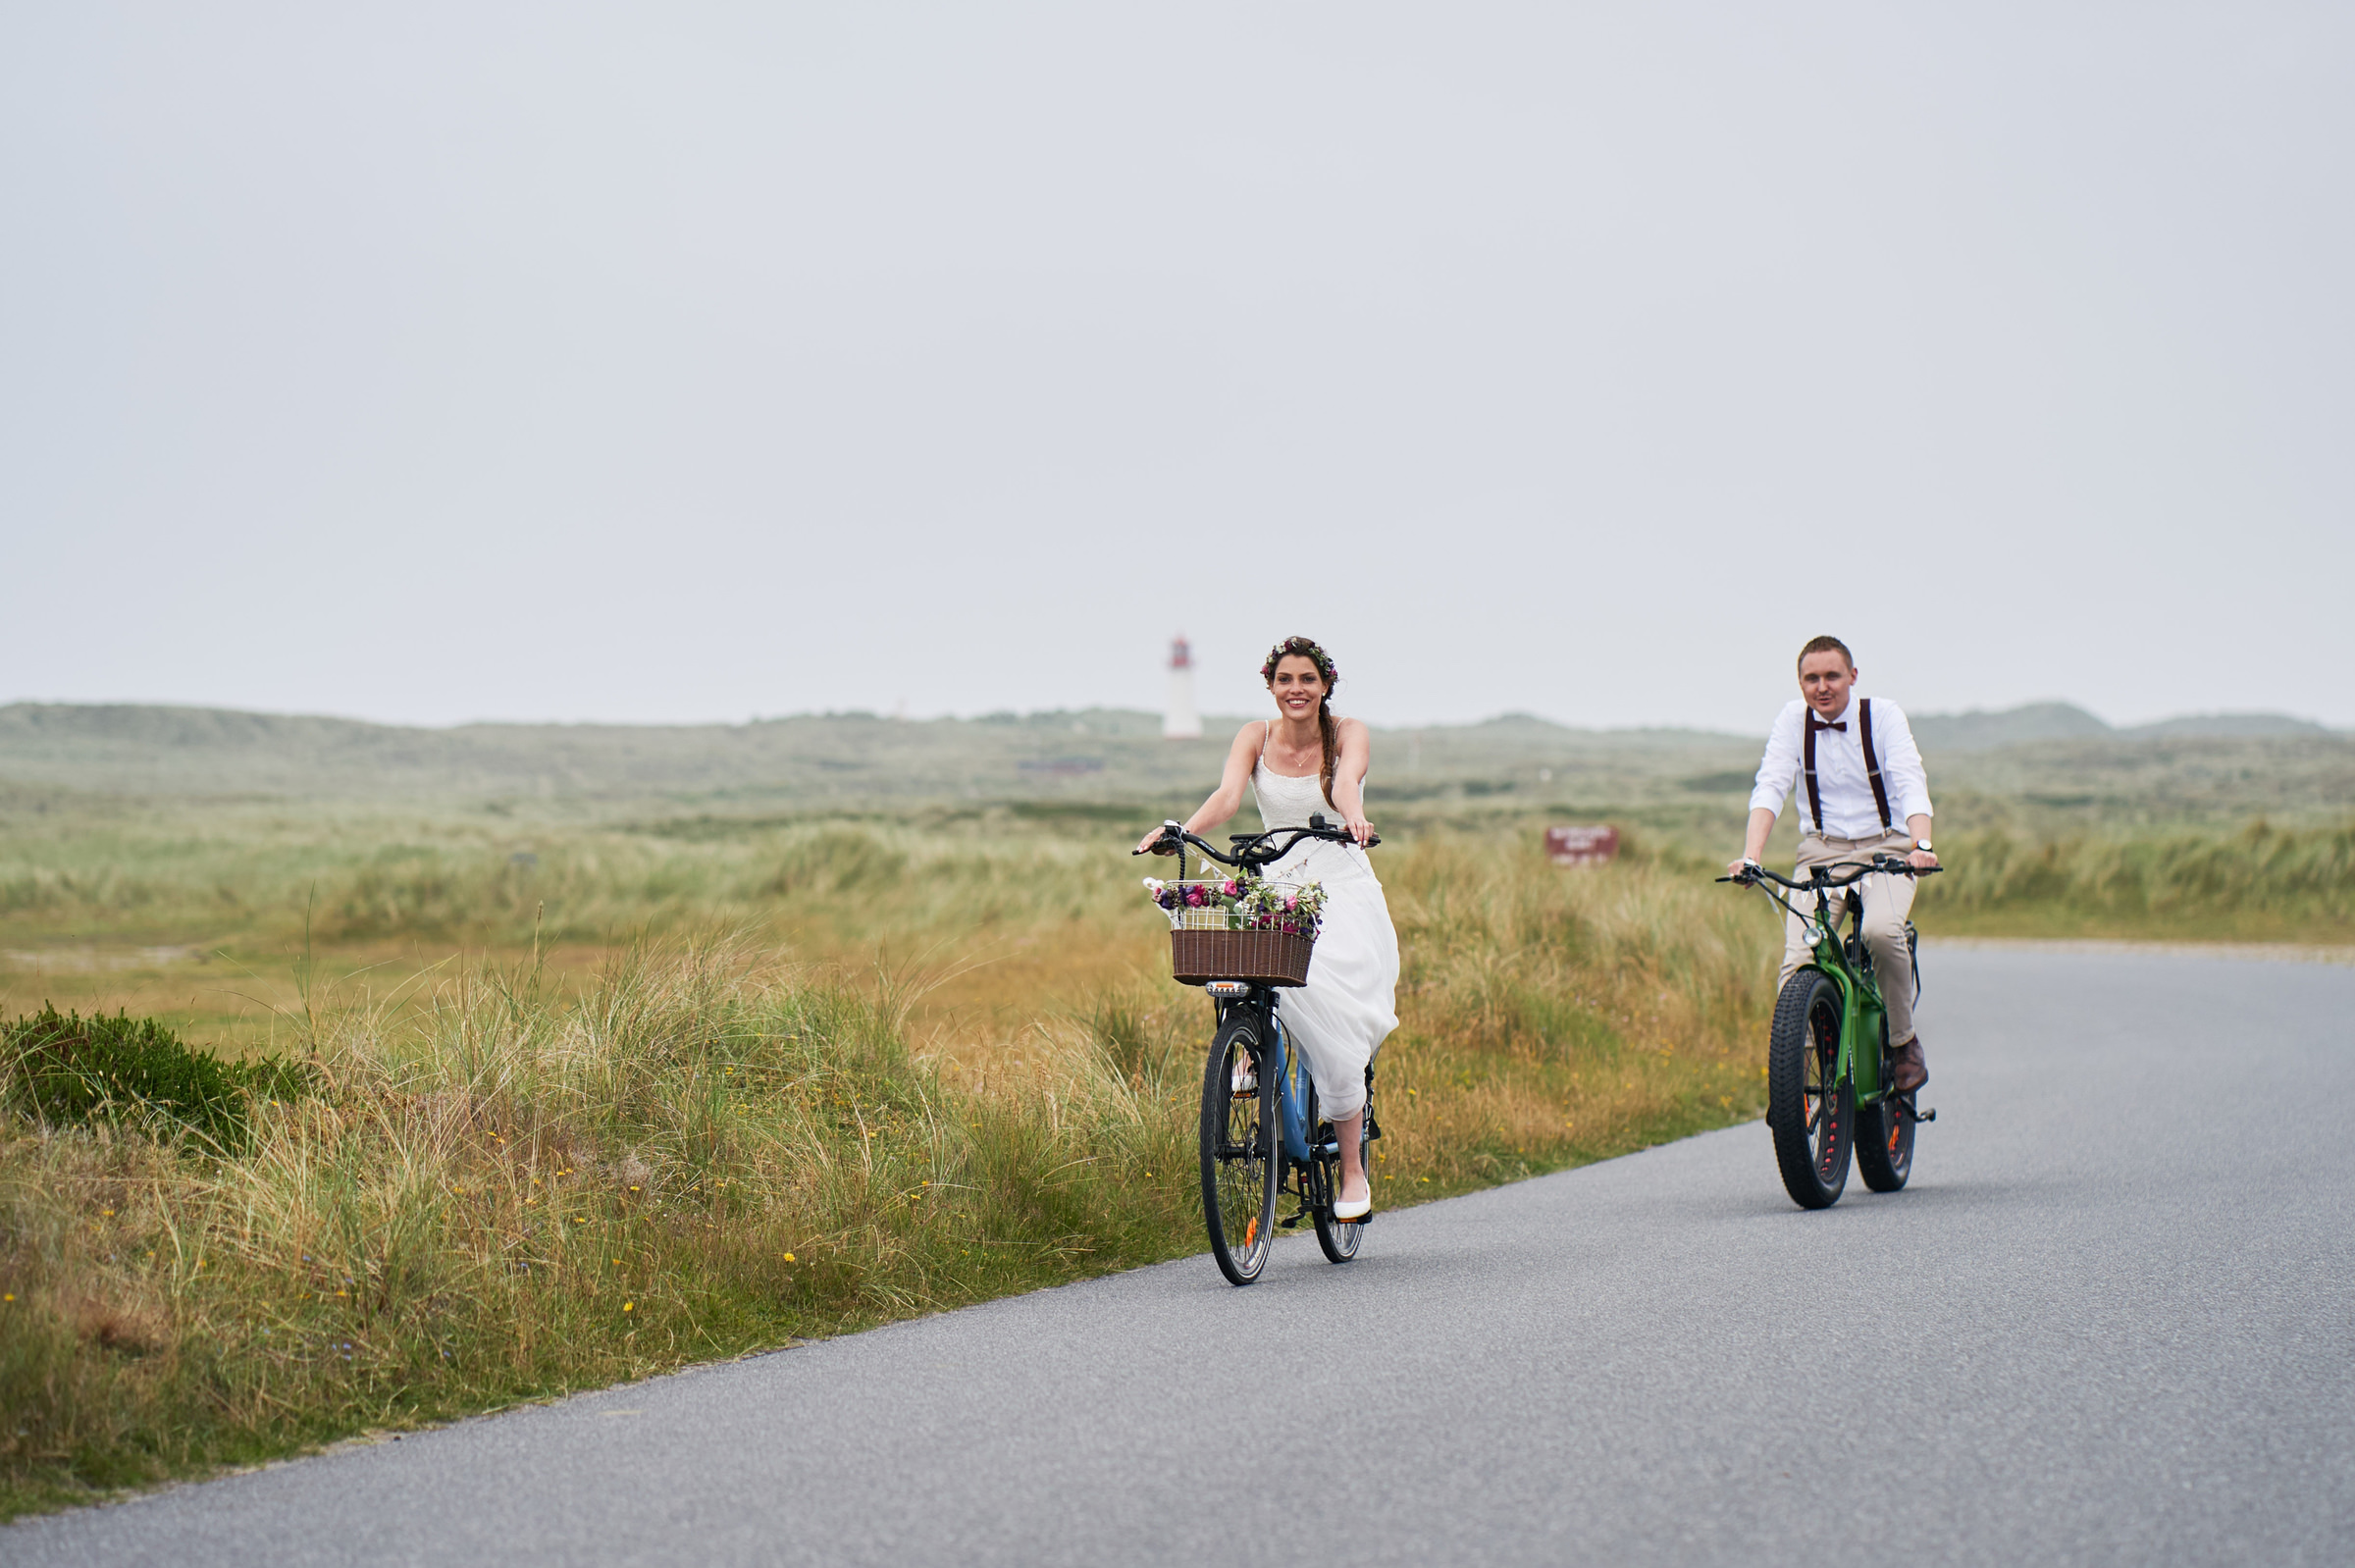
(1170, 829)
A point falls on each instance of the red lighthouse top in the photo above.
(1180, 656)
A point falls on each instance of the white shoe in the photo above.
(1345, 1212)
(1244, 1080)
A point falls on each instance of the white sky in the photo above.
(430, 362)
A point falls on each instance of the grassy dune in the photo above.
(918, 1065)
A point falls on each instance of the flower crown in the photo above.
(1307, 649)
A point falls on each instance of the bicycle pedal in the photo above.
(1925, 1116)
(1286, 1225)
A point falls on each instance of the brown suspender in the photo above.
(1806, 720)
(1872, 765)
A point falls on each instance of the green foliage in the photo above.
(135, 1072)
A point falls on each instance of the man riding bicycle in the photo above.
(1856, 768)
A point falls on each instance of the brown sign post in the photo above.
(1581, 846)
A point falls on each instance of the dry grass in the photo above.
(515, 1180)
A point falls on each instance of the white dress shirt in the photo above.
(1848, 809)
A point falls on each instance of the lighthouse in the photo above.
(1179, 721)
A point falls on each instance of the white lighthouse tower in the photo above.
(1180, 721)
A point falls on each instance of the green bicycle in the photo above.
(1826, 1100)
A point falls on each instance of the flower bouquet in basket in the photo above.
(1240, 928)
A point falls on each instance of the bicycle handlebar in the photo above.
(1249, 848)
(1824, 881)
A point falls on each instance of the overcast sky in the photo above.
(433, 362)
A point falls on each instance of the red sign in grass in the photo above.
(1581, 846)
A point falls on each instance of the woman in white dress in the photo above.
(1307, 762)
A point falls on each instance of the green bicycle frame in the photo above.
(1863, 1016)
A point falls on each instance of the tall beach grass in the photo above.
(498, 1186)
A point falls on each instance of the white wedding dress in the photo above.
(1349, 1005)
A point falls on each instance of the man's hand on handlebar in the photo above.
(1923, 860)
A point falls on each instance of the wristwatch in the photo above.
(1924, 845)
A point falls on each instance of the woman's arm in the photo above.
(1228, 799)
(1349, 779)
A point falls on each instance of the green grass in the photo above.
(2254, 882)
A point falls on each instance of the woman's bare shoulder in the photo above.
(1354, 729)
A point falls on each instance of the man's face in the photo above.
(1823, 680)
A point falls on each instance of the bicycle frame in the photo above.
(1844, 959)
(1278, 1064)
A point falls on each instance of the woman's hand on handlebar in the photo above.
(1161, 841)
(1738, 870)
(1359, 830)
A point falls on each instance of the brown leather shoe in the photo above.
(1911, 1071)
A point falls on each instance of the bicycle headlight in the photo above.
(1228, 989)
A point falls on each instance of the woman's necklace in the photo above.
(1283, 750)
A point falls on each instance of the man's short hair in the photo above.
(1827, 644)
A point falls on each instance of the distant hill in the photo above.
(1979, 731)
(831, 759)
(2233, 725)
(842, 760)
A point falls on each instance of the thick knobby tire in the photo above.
(1814, 1131)
(1339, 1240)
(1885, 1133)
(1242, 1167)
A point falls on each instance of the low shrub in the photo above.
(65, 1070)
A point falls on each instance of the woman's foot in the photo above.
(1348, 1208)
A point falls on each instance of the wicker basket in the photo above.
(1272, 957)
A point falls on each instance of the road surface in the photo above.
(2113, 1321)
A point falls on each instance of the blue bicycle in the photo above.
(1261, 1136)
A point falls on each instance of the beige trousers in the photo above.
(1887, 902)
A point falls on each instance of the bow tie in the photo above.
(1814, 723)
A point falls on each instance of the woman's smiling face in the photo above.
(1298, 687)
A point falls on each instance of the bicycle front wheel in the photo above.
(1810, 1107)
(1241, 1170)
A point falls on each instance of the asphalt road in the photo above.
(2113, 1321)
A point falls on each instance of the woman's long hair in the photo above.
(1329, 733)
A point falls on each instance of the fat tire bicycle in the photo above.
(1826, 1100)
(1262, 1134)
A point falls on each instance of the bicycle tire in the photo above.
(1242, 1167)
(1339, 1239)
(1814, 1120)
(1885, 1133)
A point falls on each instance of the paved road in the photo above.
(2112, 1322)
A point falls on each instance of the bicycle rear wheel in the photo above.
(1241, 1170)
(1885, 1133)
(1810, 1106)
(1339, 1240)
